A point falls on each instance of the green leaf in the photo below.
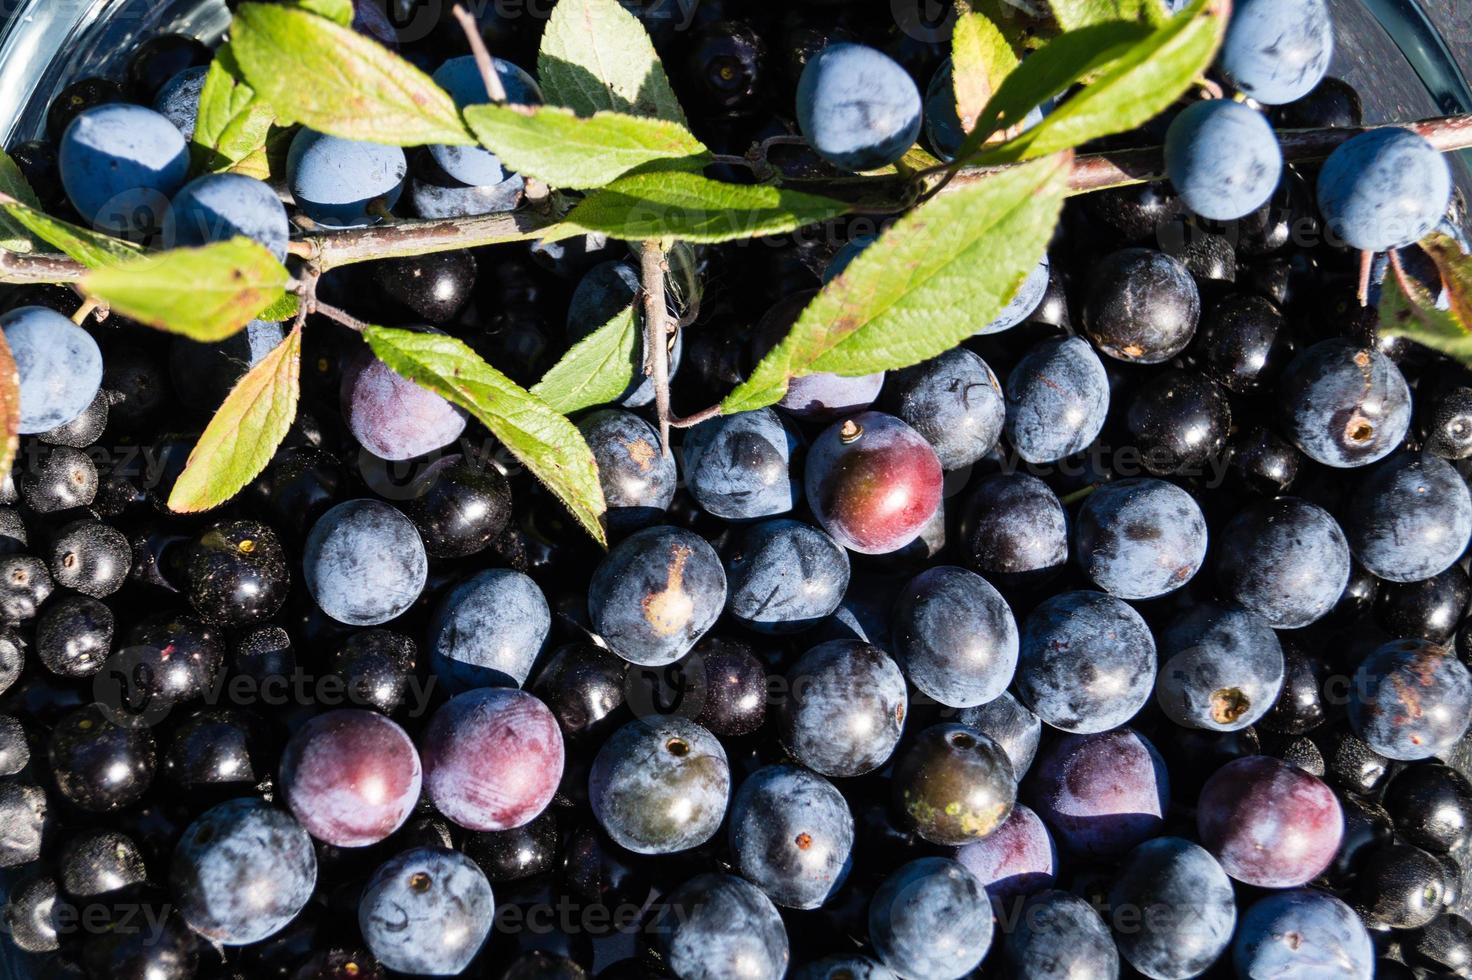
(574, 153)
(242, 437)
(981, 60)
(1135, 88)
(15, 236)
(1415, 317)
(93, 249)
(1057, 66)
(596, 57)
(934, 278)
(697, 209)
(282, 309)
(234, 123)
(1073, 14)
(1456, 274)
(205, 294)
(337, 81)
(544, 441)
(340, 11)
(597, 369)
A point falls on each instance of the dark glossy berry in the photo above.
(845, 708)
(96, 862)
(60, 479)
(83, 430)
(1180, 909)
(1344, 405)
(740, 466)
(218, 748)
(15, 746)
(1140, 538)
(24, 586)
(1400, 886)
(955, 402)
(1101, 794)
(736, 687)
(1285, 560)
(930, 920)
(656, 593)
(1410, 519)
(872, 482)
(518, 852)
(1270, 824)
(458, 507)
(90, 557)
(638, 478)
(1431, 805)
(100, 765)
(1410, 699)
(1057, 400)
(1444, 944)
(159, 59)
(956, 636)
(1331, 103)
(1142, 306)
(583, 684)
(1302, 933)
(236, 573)
(1447, 430)
(1014, 530)
(488, 630)
(492, 758)
(1087, 662)
(953, 785)
(716, 925)
(726, 66)
(74, 636)
(428, 288)
(78, 97)
(660, 785)
(1221, 668)
(784, 576)
(427, 910)
(38, 164)
(791, 834)
(351, 777)
(1430, 609)
(1179, 421)
(377, 666)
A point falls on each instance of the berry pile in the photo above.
(1128, 638)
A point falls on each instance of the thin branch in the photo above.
(652, 268)
(27, 269)
(488, 73)
(1091, 172)
(1367, 260)
(341, 316)
(690, 421)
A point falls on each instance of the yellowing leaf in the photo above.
(335, 80)
(981, 59)
(244, 433)
(205, 293)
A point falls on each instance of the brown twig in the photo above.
(652, 269)
(341, 316)
(694, 419)
(27, 269)
(1367, 259)
(482, 54)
